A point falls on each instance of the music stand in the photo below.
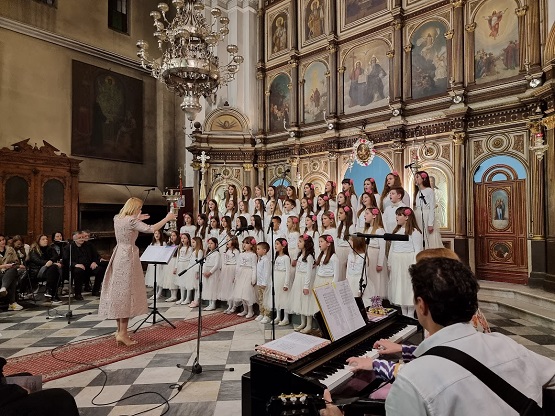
(156, 255)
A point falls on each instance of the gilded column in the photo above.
(522, 41)
(294, 91)
(249, 175)
(469, 63)
(537, 184)
(397, 25)
(533, 29)
(549, 283)
(407, 74)
(260, 70)
(332, 77)
(459, 180)
(457, 42)
(196, 182)
(392, 74)
(262, 175)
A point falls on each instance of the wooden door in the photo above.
(500, 217)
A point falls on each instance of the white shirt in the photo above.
(212, 263)
(283, 264)
(329, 270)
(258, 235)
(390, 218)
(341, 242)
(276, 235)
(184, 254)
(305, 267)
(405, 202)
(230, 257)
(251, 204)
(426, 201)
(413, 245)
(188, 229)
(263, 271)
(378, 243)
(247, 260)
(432, 385)
(292, 244)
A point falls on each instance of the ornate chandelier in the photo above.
(188, 65)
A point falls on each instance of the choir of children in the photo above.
(308, 242)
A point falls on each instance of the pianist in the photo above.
(445, 294)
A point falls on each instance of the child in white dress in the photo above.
(245, 278)
(326, 264)
(184, 253)
(257, 232)
(301, 296)
(191, 277)
(157, 240)
(348, 188)
(282, 273)
(377, 272)
(355, 268)
(169, 270)
(189, 227)
(227, 275)
(211, 274)
(312, 230)
(401, 256)
(344, 230)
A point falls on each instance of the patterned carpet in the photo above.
(79, 356)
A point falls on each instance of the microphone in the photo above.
(149, 189)
(241, 229)
(409, 165)
(386, 236)
(423, 198)
(287, 170)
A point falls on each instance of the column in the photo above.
(457, 44)
(397, 61)
(261, 71)
(294, 88)
(332, 77)
(196, 182)
(532, 30)
(460, 180)
(392, 75)
(407, 74)
(249, 176)
(549, 282)
(469, 63)
(522, 41)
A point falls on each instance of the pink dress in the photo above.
(123, 290)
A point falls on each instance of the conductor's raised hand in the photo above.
(170, 216)
(143, 217)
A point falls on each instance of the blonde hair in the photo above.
(131, 207)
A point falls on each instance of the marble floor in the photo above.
(146, 384)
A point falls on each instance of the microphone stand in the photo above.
(196, 368)
(274, 311)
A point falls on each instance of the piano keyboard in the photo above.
(336, 372)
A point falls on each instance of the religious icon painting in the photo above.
(314, 20)
(315, 92)
(366, 76)
(279, 103)
(278, 39)
(496, 45)
(429, 60)
(355, 11)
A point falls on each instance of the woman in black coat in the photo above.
(41, 266)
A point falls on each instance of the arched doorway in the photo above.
(500, 220)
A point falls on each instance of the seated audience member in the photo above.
(17, 401)
(101, 264)
(22, 251)
(41, 267)
(83, 263)
(9, 263)
(445, 297)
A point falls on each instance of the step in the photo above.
(534, 305)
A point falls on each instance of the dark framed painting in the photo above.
(360, 9)
(107, 114)
(429, 60)
(279, 102)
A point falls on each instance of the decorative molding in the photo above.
(458, 137)
(470, 27)
(521, 11)
(449, 34)
(71, 44)
(549, 122)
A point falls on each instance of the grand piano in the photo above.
(323, 369)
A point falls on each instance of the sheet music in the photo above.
(339, 309)
(292, 346)
(158, 254)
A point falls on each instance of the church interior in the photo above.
(95, 109)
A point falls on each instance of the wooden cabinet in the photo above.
(38, 191)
